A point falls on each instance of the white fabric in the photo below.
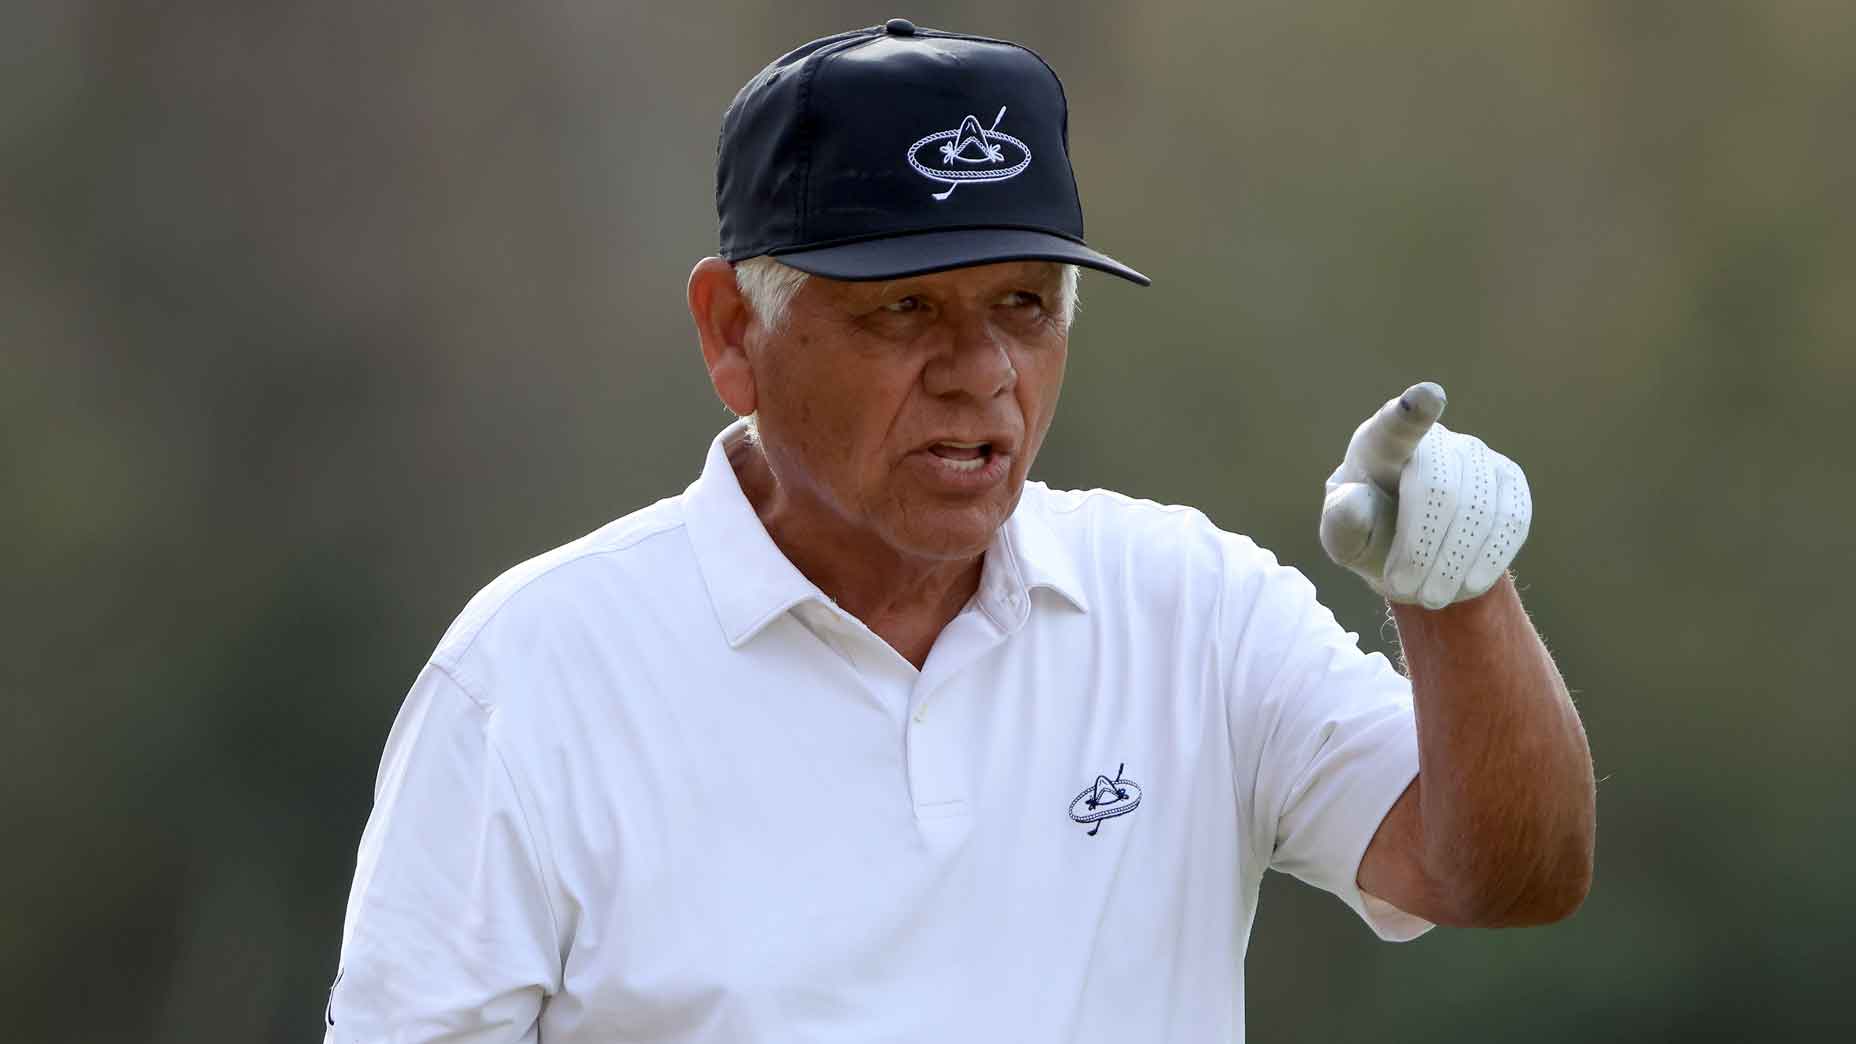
(653, 786)
(1423, 514)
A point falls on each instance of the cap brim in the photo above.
(920, 253)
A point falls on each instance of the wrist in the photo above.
(1471, 614)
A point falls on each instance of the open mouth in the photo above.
(963, 456)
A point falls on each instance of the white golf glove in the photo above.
(1426, 515)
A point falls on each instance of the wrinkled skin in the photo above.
(854, 390)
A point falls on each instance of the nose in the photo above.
(976, 363)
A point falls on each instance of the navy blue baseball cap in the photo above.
(895, 151)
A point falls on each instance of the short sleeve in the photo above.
(1322, 734)
(450, 933)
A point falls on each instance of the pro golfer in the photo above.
(865, 737)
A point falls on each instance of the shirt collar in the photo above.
(751, 582)
(1032, 547)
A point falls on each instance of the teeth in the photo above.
(964, 445)
(962, 465)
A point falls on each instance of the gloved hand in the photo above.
(1426, 515)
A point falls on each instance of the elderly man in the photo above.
(866, 736)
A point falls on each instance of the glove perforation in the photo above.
(1422, 513)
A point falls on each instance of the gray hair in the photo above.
(770, 287)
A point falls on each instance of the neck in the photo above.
(905, 600)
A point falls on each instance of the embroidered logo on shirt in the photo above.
(970, 153)
(1105, 799)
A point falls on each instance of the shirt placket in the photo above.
(934, 722)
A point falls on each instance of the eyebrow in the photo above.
(1044, 279)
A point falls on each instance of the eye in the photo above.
(1022, 299)
(904, 306)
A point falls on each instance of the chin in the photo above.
(951, 531)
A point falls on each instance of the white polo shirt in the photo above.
(654, 786)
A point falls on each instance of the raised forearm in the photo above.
(1505, 795)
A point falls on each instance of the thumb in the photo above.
(1383, 444)
(1357, 524)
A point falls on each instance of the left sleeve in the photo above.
(1323, 735)
(450, 934)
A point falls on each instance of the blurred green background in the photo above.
(318, 316)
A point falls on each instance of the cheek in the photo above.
(794, 408)
(832, 408)
(1040, 379)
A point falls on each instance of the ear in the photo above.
(722, 317)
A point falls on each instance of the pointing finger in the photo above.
(1383, 444)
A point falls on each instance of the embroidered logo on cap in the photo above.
(1105, 799)
(969, 153)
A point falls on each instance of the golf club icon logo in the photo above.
(1105, 799)
(969, 153)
